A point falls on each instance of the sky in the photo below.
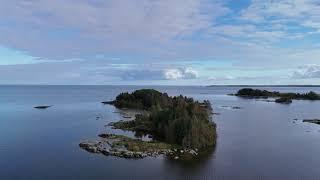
(160, 42)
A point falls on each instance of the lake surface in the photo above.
(261, 140)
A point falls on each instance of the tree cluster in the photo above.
(256, 93)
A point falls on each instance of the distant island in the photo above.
(239, 85)
(281, 97)
(177, 124)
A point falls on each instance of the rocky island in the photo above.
(179, 126)
(42, 107)
(285, 98)
(315, 121)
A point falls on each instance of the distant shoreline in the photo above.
(161, 85)
(263, 86)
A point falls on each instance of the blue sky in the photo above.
(167, 42)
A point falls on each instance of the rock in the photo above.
(193, 152)
(236, 107)
(231, 107)
(105, 152)
(216, 113)
(284, 100)
(89, 146)
(315, 121)
(104, 135)
(42, 107)
(110, 124)
(176, 157)
(117, 145)
(107, 135)
(107, 102)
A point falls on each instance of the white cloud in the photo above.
(250, 32)
(307, 72)
(174, 74)
(303, 12)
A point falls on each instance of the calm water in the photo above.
(259, 141)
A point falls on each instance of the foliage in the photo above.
(142, 99)
(256, 93)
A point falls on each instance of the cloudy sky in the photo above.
(166, 42)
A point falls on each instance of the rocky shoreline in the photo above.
(130, 148)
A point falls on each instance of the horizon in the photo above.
(151, 85)
(169, 43)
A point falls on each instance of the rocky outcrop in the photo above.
(315, 121)
(42, 107)
(120, 146)
(284, 100)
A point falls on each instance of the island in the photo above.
(179, 127)
(42, 107)
(285, 98)
(315, 121)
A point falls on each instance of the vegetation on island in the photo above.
(283, 97)
(176, 120)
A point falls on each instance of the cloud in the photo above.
(249, 32)
(141, 74)
(302, 12)
(102, 42)
(174, 74)
(221, 78)
(307, 72)
(63, 29)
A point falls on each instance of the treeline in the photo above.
(147, 99)
(257, 93)
(177, 120)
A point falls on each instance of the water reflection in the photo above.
(195, 163)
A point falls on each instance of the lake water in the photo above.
(261, 140)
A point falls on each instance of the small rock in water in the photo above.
(176, 157)
(236, 107)
(107, 102)
(42, 107)
(315, 121)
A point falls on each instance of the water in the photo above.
(261, 140)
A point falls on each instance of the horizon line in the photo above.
(217, 85)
